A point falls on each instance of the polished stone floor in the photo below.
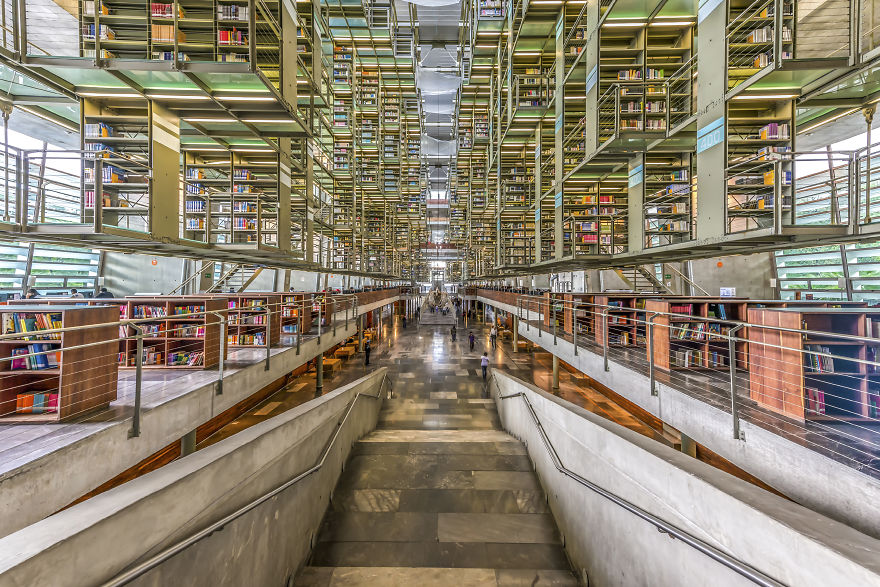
(438, 494)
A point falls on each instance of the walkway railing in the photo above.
(783, 369)
(57, 368)
(169, 552)
(738, 566)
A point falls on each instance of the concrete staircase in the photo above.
(438, 494)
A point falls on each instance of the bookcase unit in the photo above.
(296, 313)
(694, 340)
(247, 319)
(70, 381)
(182, 334)
(786, 378)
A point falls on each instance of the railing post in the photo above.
(574, 327)
(734, 399)
(605, 338)
(320, 310)
(222, 362)
(138, 381)
(651, 375)
(268, 337)
(553, 318)
(299, 326)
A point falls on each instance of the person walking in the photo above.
(404, 320)
(366, 352)
(471, 340)
(484, 364)
(493, 336)
(453, 332)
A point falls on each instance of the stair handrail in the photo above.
(738, 566)
(168, 552)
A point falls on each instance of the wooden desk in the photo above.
(344, 352)
(331, 364)
(524, 345)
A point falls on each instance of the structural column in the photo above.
(515, 333)
(555, 372)
(319, 375)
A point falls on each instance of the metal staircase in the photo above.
(237, 278)
(642, 279)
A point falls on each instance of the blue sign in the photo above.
(557, 201)
(710, 135)
(706, 8)
(592, 77)
(636, 176)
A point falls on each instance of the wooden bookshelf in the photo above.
(247, 319)
(695, 339)
(84, 379)
(296, 313)
(173, 333)
(784, 378)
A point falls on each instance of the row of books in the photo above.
(694, 332)
(149, 312)
(251, 304)
(249, 320)
(189, 309)
(36, 403)
(257, 339)
(191, 359)
(32, 322)
(232, 12)
(46, 359)
(818, 363)
(232, 37)
(687, 358)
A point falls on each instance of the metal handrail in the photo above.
(740, 567)
(127, 576)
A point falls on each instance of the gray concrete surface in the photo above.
(93, 541)
(795, 470)
(614, 547)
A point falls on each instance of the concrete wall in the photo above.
(127, 274)
(749, 274)
(90, 543)
(615, 547)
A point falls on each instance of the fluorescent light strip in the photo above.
(765, 97)
(827, 120)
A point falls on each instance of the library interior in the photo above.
(440, 292)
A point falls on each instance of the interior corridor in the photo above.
(438, 493)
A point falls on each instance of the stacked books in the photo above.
(36, 403)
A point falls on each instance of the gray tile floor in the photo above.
(438, 494)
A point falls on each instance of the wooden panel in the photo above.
(661, 334)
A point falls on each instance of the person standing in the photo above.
(366, 352)
(32, 294)
(493, 336)
(454, 332)
(404, 320)
(104, 293)
(75, 294)
(484, 364)
(471, 340)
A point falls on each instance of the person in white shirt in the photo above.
(75, 294)
(493, 336)
(484, 364)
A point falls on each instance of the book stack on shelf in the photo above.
(67, 374)
(296, 315)
(342, 60)
(490, 9)
(248, 322)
